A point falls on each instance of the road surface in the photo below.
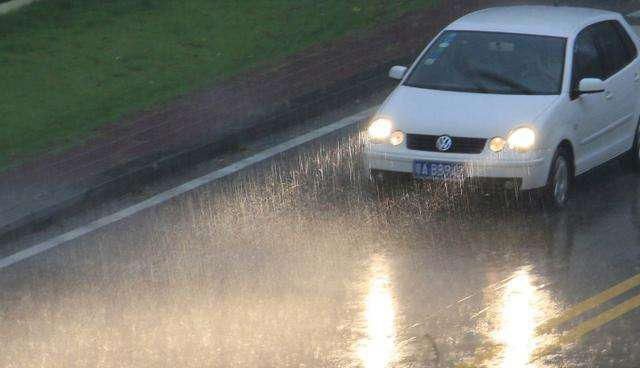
(298, 261)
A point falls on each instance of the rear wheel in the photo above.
(560, 179)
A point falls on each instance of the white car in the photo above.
(528, 96)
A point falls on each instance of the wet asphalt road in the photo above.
(300, 262)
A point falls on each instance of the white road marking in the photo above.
(184, 188)
(14, 5)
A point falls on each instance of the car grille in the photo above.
(421, 142)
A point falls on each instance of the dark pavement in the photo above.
(299, 262)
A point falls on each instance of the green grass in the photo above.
(68, 67)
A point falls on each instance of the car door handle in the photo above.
(637, 78)
(608, 95)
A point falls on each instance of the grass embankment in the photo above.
(67, 66)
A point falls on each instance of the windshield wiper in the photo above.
(478, 88)
(517, 86)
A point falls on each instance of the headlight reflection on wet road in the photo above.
(378, 348)
(523, 306)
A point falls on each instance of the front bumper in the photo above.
(529, 169)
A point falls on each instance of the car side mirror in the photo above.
(591, 85)
(397, 72)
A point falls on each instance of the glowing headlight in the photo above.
(497, 144)
(396, 138)
(521, 139)
(380, 130)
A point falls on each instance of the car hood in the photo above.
(424, 111)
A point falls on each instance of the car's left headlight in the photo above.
(521, 139)
(380, 130)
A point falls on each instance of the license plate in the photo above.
(438, 170)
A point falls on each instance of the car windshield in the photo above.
(490, 62)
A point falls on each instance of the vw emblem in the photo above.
(444, 143)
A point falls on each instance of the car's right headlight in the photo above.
(380, 130)
(521, 139)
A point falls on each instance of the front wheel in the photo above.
(560, 179)
(634, 154)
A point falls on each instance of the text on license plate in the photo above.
(438, 170)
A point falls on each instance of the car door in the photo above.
(590, 113)
(624, 85)
(621, 95)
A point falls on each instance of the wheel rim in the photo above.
(561, 181)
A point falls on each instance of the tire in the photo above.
(633, 156)
(560, 182)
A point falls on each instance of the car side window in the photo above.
(610, 43)
(587, 62)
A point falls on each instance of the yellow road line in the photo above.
(589, 304)
(587, 326)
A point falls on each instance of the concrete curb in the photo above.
(14, 5)
(134, 175)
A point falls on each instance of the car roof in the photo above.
(561, 21)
